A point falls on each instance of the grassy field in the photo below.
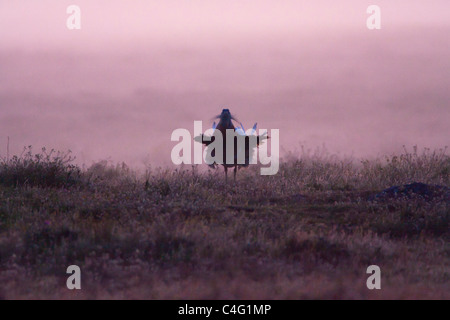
(308, 232)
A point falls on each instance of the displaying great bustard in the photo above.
(246, 150)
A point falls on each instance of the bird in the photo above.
(225, 123)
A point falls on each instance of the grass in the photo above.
(44, 169)
(308, 232)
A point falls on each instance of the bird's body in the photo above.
(226, 123)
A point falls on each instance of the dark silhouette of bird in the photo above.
(245, 150)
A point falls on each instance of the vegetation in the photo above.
(310, 231)
(45, 169)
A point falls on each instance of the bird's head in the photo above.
(226, 116)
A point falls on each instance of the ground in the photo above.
(309, 232)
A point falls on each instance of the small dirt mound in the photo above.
(414, 190)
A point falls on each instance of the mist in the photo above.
(136, 71)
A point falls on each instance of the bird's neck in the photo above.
(225, 124)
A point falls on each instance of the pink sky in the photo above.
(42, 23)
(139, 69)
